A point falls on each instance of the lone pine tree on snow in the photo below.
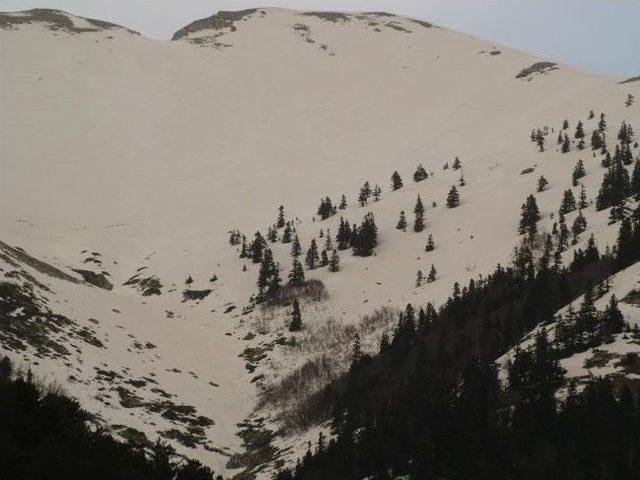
(453, 198)
(418, 210)
(402, 222)
(396, 181)
(420, 174)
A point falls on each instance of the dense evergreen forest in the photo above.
(44, 435)
(434, 407)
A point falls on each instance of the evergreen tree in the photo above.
(615, 186)
(626, 246)
(566, 144)
(420, 174)
(402, 222)
(542, 184)
(602, 124)
(312, 257)
(296, 275)
(578, 172)
(272, 234)
(457, 164)
(433, 274)
(267, 269)
(343, 238)
(296, 317)
(453, 198)
(568, 202)
(530, 216)
(343, 202)
(430, 245)
(280, 221)
(326, 208)
(418, 210)
(365, 193)
(255, 249)
(579, 225)
(582, 203)
(396, 181)
(419, 278)
(462, 182)
(635, 179)
(296, 248)
(565, 124)
(596, 140)
(365, 238)
(579, 130)
(324, 258)
(334, 262)
(377, 191)
(287, 233)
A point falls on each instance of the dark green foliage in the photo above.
(402, 222)
(365, 238)
(430, 245)
(566, 144)
(365, 193)
(420, 174)
(542, 184)
(46, 435)
(578, 172)
(434, 407)
(457, 164)
(568, 203)
(343, 238)
(433, 274)
(296, 275)
(287, 233)
(326, 208)
(453, 198)
(296, 248)
(615, 186)
(280, 222)
(334, 261)
(377, 191)
(579, 130)
(396, 181)
(312, 257)
(343, 202)
(418, 210)
(529, 217)
(296, 317)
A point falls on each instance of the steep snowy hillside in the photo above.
(127, 162)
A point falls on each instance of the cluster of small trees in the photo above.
(418, 224)
(430, 278)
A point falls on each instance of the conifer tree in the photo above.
(529, 217)
(365, 237)
(566, 144)
(296, 275)
(563, 233)
(396, 181)
(280, 221)
(457, 164)
(267, 268)
(540, 143)
(615, 186)
(602, 124)
(627, 250)
(334, 262)
(420, 174)
(462, 181)
(565, 124)
(578, 172)
(568, 202)
(343, 202)
(365, 193)
(596, 140)
(343, 238)
(312, 257)
(377, 191)
(296, 248)
(402, 222)
(272, 234)
(579, 130)
(256, 247)
(582, 202)
(418, 210)
(542, 184)
(453, 198)
(635, 179)
(419, 278)
(324, 258)
(296, 317)
(287, 233)
(430, 245)
(579, 225)
(591, 114)
(433, 274)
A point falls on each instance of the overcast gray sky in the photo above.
(601, 36)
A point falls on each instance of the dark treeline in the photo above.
(45, 435)
(434, 407)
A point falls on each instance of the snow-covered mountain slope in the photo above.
(132, 159)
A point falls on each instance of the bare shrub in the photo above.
(311, 289)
